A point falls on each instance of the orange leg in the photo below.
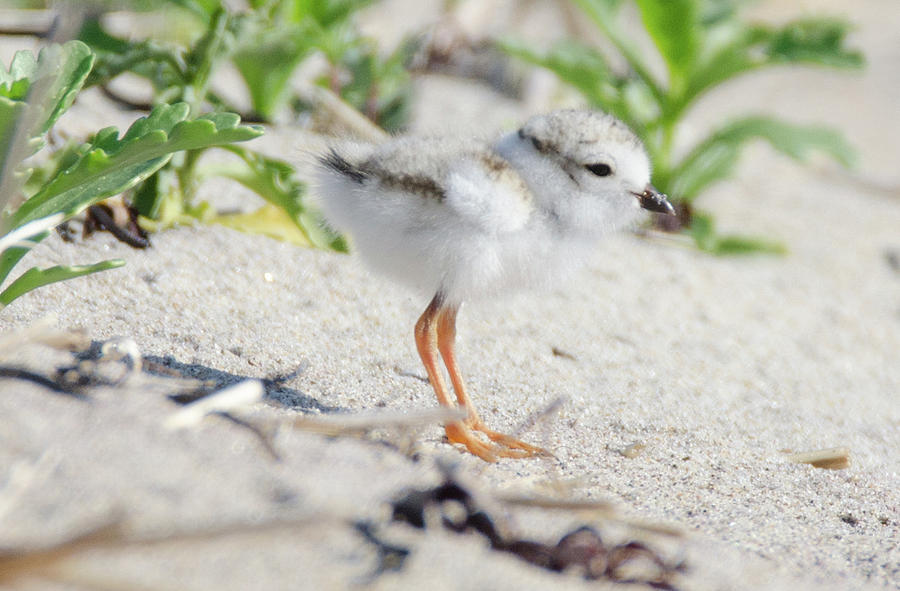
(446, 338)
(427, 344)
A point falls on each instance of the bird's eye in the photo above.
(600, 169)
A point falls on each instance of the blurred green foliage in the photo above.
(34, 92)
(266, 44)
(703, 44)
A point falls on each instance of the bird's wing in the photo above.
(469, 179)
(486, 190)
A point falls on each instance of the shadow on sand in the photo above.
(276, 390)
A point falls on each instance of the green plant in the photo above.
(276, 36)
(34, 93)
(703, 44)
(285, 193)
(266, 44)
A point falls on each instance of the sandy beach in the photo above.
(669, 383)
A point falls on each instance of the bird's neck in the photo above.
(540, 174)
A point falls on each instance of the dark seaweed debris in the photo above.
(581, 549)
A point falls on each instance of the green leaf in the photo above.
(326, 13)
(148, 197)
(266, 60)
(113, 165)
(16, 90)
(583, 67)
(714, 159)
(604, 10)
(278, 35)
(738, 49)
(34, 93)
(268, 220)
(815, 41)
(98, 40)
(587, 70)
(604, 14)
(378, 88)
(702, 230)
(49, 83)
(10, 257)
(733, 244)
(11, 243)
(163, 66)
(673, 25)
(215, 44)
(703, 44)
(276, 182)
(12, 112)
(29, 231)
(34, 277)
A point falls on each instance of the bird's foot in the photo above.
(461, 433)
(505, 446)
(516, 447)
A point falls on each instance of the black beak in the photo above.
(653, 200)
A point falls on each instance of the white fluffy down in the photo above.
(504, 210)
(484, 238)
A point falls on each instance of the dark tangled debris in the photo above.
(582, 549)
(391, 557)
(113, 216)
(60, 385)
(118, 219)
(68, 380)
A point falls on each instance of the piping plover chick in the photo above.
(467, 220)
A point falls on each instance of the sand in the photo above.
(718, 368)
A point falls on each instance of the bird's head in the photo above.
(586, 168)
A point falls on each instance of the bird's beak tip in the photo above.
(652, 200)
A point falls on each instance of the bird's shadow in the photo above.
(215, 379)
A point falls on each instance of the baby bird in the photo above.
(466, 220)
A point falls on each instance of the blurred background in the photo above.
(709, 85)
